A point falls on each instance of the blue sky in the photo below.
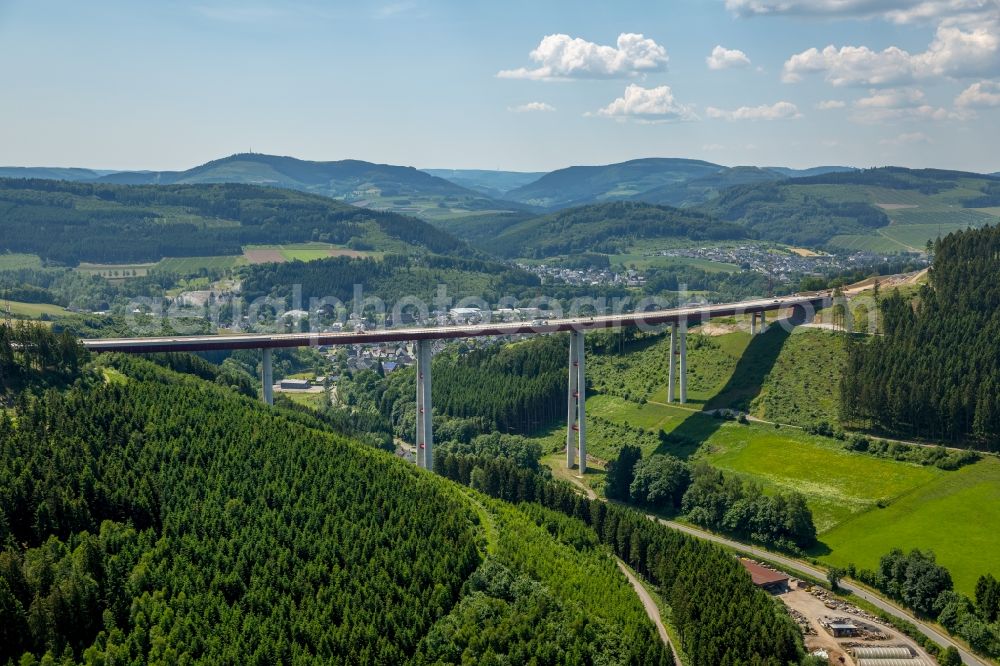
(519, 84)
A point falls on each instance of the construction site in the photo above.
(836, 630)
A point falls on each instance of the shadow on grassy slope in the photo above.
(743, 386)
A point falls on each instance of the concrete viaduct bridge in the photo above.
(677, 319)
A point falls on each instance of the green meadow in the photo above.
(33, 310)
(863, 506)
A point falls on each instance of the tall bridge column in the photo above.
(684, 360)
(753, 323)
(267, 376)
(571, 403)
(672, 373)
(424, 425)
(763, 321)
(581, 403)
(576, 401)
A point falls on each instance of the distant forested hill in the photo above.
(579, 185)
(494, 184)
(380, 186)
(936, 371)
(706, 187)
(72, 222)
(390, 278)
(850, 209)
(50, 173)
(607, 227)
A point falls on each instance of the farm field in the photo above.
(192, 265)
(917, 218)
(13, 261)
(115, 271)
(34, 310)
(917, 235)
(926, 518)
(873, 243)
(838, 484)
(258, 254)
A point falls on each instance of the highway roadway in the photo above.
(692, 313)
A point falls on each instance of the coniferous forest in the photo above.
(148, 515)
(935, 373)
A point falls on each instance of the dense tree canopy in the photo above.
(936, 371)
(73, 222)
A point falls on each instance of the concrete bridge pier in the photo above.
(678, 350)
(576, 404)
(683, 326)
(424, 424)
(267, 376)
(672, 374)
(753, 323)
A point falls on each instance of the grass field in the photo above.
(956, 514)
(313, 400)
(193, 265)
(14, 261)
(34, 310)
(838, 484)
(791, 378)
(863, 506)
(300, 252)
(874, 243)
(917, 235)
(116, 271)
(917, 218)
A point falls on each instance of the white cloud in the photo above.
(776, 111)
(531, 106)
(906, 138)
(897, 104)
(830, 104)
(649, 105)
(981, 94)
(563, 57)
(723, 58)
(897, 11)
(893, 98)
(959, 49)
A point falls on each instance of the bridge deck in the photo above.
(278, 340)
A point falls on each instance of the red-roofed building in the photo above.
(772, 581)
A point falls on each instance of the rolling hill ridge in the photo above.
(363, 184)
(71, 222)
(606, 228)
